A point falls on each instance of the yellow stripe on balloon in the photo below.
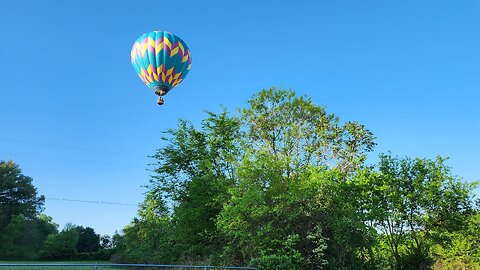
(144, 48)
(181, 48)
(174, 51)
(151, 42)
(166, 41)
(159, 48)
(169, 72)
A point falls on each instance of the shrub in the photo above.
(275, 262)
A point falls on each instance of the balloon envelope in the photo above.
(161, 59)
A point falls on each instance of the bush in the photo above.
(101, 255)
(275, 262)
(61, 246)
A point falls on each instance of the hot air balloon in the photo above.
(162, 60)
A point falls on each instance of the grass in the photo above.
(59, 267)
(77, 267)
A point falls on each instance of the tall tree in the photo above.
(193, 173)
(284, 186)
(294, 131)
(293, 150)
(18, 196)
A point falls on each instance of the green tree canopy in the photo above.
(61, 246)
(284, 184)
(88, 240)
(413, 202)
(24, 238)
(292, 149)
(18, 196)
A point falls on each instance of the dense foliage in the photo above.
(284, 185)
(281, 185)
(17, 195)
(26, 234)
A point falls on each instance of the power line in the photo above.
(72, 147)
(86, 201)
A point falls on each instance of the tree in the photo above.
(412, 201)
(298, 133)
(61, 246)
(224, 188)
(88, 240)
(192, 174)
(284, 185)
(118, 241)
(18, 196)
(106, 242)
(23, 238)
(462, 248)
(293, 153)
(21, 232)
(150, 241)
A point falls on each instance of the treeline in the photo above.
(285, 185)
(280, 185)
(26, 234)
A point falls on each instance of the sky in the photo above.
(78, 120)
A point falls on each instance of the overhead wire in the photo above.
(88, 201)
(94, 160)
(79, 149)
(71, 147)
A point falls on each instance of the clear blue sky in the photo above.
(76, 118)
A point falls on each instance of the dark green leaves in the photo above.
(17, 194)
